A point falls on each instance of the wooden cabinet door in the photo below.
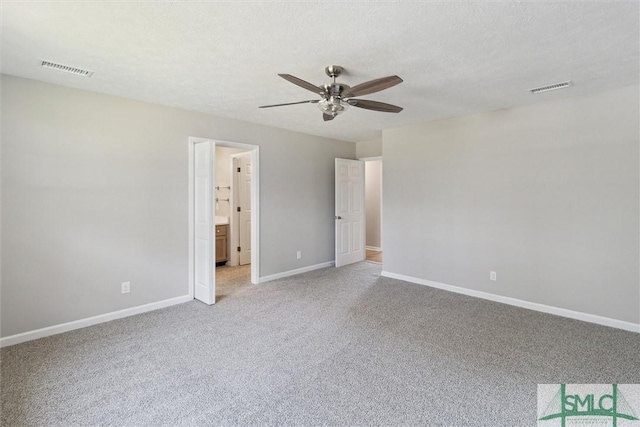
(222, 251)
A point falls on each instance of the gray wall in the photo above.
(369, 148)
(547, 195)
(95, 192)
(372, 201)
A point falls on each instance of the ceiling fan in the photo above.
(337, 97)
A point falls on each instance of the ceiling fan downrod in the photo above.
(333, 71)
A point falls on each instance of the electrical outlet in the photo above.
(493, 276)
(125, 287)
(299, 254)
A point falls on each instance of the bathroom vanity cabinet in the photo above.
(222, 243)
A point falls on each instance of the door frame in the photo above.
(254, 151)
(372, 159)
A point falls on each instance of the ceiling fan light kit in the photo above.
(333, 106)
(337, 97)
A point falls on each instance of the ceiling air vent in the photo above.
(67, 69)
(551, 87)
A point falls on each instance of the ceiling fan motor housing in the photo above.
(335, 89)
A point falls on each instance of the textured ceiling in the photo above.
(223, 58)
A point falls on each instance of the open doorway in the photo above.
(373, 208)
(234, 176)
(215, 220)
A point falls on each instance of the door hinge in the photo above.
(238, 169)
(238, 248)
(238, 209)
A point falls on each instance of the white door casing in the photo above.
(349, 216)
(243, 170)
(254, 151)
(204, 242)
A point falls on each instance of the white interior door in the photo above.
(243, 210)
(350, 231)
(204, 242)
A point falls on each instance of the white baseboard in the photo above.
(296, 271)
(82, 323)
(373, 248)
(586, 317)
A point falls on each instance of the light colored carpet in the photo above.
(230, 280)
(330, 347)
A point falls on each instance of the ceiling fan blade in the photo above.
(314, 101)
(375, 105)
(302, 83)
(327, 117)
(373, 86)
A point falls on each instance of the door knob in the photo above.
(338, 217)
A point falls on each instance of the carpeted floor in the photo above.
(230, 280)
(330, 347)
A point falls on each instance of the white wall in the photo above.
(95, 192)
(373, 192)
(547, 195)
(223, 178)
